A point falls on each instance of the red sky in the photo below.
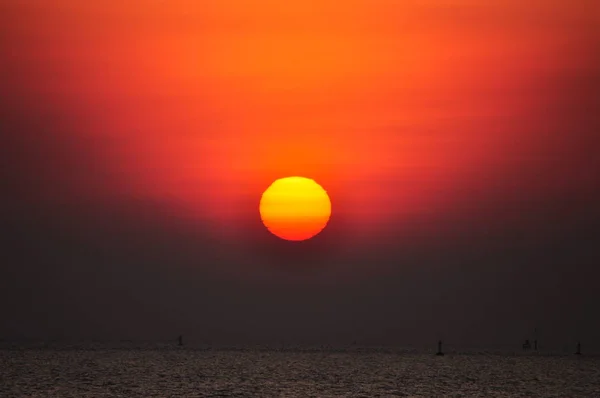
(401, 110)
(434, 125)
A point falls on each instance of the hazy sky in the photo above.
(458, 142)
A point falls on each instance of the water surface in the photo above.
(143, 372)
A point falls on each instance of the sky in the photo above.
(457, 141)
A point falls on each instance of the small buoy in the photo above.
(578, 348)
(439, 351)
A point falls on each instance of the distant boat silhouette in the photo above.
(439, 351)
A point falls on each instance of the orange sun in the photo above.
(295, 208)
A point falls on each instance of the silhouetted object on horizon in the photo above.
(578, 348)
(535, 345)
(180, 340)
(439, 351)
(526, 345)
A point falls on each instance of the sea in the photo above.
(130, 370)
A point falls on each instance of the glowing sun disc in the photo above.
(295, 208)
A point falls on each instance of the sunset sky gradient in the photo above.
(456, 139)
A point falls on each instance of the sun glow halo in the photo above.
(295, 208)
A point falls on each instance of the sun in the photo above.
(295, 208)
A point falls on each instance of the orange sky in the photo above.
(400, 109)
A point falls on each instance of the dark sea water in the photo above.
(90, 371)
